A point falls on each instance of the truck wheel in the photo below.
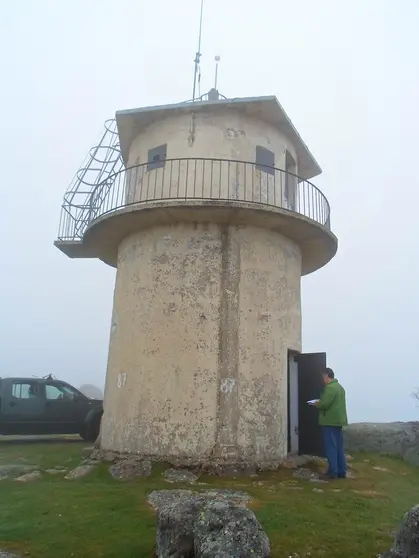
(90, 432)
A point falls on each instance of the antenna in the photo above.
(217, 59)
(198, 54)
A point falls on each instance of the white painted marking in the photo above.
(227, 385)
(122, 379)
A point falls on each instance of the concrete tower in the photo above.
(210, 221)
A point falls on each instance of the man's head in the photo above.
(327, 375)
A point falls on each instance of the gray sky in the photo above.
(346, 72)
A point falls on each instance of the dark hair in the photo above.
(329, 372)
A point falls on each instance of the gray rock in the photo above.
(162, 498)
(29, 477)
(86, 452)
(406, 542)
(176, 525)
(56, 471)
(233, 470)
(236, 497)
(89, 462)
(206, 525)
(179, 475)
(225, 530)
(411, 455)
(15, 470)
(130, 469)
(79, 472)
(397, 438)
(102, 455)
(5, 554)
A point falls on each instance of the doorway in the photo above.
(304, 383)
(293, 446)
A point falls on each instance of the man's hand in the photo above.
(313, 402)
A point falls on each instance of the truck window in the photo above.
(59, 392)
(25, 390)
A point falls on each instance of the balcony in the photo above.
(185, 180)
(196, 190)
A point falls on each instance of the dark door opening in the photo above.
(304, 383)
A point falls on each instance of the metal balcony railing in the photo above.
(195, 179)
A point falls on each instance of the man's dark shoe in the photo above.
(326, 477)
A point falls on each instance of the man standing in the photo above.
(332, 417)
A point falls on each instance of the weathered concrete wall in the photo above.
(225, 134)
(203, 318)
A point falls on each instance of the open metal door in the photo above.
(310, 386)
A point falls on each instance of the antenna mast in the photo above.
(217, 60)
(198, 54)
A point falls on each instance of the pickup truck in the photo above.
(40, 406)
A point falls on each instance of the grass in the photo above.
(99, 517)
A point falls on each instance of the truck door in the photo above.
(65, 409)
(23, 405)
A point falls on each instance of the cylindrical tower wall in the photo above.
(203, 318)
(221, 134)
(226, 135)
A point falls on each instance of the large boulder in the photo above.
(225, 530)
(207, 524)
(406, 543)
(397, 438)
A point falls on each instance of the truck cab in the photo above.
(47, 406)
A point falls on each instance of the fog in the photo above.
(346, 73)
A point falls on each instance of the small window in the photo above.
(157, 157)
(26, 390)
(265, 159)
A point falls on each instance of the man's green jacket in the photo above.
(332, 405)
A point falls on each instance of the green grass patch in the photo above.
(100, 517)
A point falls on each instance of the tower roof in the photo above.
(131, 122)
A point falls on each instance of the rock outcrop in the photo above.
(130, 469)
(406, 543)
(15, 470)
(79, 472)
(29, 477)
(207, 524)
(91, 391)
(397, 438)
